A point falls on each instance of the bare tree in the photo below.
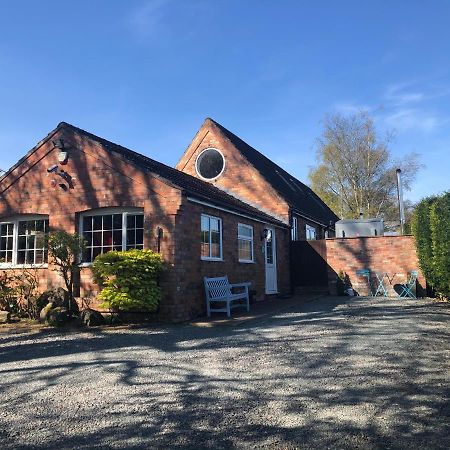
(355, 171)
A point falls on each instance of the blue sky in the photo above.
(145, 74)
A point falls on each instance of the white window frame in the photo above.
(248, 239)
(15, 221)
(109, 211)
(294, 229)
(308, 230)
(200, 156)
(212, 258)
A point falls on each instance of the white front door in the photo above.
(271, 261)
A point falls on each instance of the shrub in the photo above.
(129, 280)
(440, 236)
(7, 291)
(19, 291)
(65, 250)
(431, 228)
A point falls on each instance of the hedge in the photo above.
(129, 280)
(431, 228)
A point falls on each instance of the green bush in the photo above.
(129, 280)
(431, 228)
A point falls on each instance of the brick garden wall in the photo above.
(395, 255)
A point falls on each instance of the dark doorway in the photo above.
(308, 264)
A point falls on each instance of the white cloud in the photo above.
(148, 18)
(351, 108)
(413, 118)
(405, 106)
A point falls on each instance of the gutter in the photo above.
(246, 216)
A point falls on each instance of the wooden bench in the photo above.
(219, 290)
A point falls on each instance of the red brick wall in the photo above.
(395, 255)
(101, 180)
(190, 269)
(239, 178)
(105, 180)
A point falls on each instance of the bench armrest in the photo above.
(240, 285)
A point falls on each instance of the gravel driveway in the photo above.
(332, 373)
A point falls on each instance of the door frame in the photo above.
(273, 267)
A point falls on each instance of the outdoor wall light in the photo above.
(159, 235)
(266, 234)
(63, 154)
(159, 232)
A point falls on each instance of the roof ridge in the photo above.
(266, 167)
(259, 153)
(179, 178)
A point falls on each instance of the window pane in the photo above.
(39, 257)
(97, 222)
(29, 257)
(22, 227)
(31, 226)
(245, 250)
(269, 251)
(131, 237)
(117, 238)
(88, 237)
(97, 238)
(87, 223)
(245, 231)
(131, 221)
(117, 221)
(21, 257)
(139, 237)
(214, 224)
(40, 226)
(204, 250)
(215, 244)
(95, 252)
(107, 222)
(107, 238)
(205, 223)
(3, 243)
(140, 221)
(22, 243)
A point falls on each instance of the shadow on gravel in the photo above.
(330, 374)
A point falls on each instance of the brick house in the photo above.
(119, 199)
(250, 176)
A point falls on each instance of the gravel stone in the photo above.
(344, 372)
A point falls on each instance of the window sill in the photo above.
(85, 264)
(244, 261)
(204, 258)
(23, 266)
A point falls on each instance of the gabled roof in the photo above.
(197, 188)
(300, 197)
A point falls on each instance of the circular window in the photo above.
(210, 164)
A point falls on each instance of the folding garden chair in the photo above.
(366, 274)
(381, 288)
(407, 289)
